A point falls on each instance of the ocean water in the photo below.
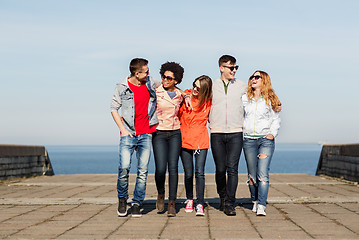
(287, 158)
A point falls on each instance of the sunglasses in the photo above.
(168, 78)
(255, 77)
(196, 87)
(232, 68)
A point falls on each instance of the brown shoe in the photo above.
(160, 204)
(171, 209)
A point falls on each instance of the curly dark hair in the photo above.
(176, 68)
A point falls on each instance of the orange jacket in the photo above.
(194, 125)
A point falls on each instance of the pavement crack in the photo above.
(88, 190)
(38, 223)
(332, 219)
(128, 218)
(208, 220)
(321, 188)
(286, 194)
(73, 227)
(163, 229)
(21, 213)
(251, 222)
(285, 215)
(51, 193)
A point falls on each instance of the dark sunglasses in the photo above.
(196, 87)
(255, 77)
(232, 68)
(168, 78)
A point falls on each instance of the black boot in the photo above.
(229, 210)
(221, 205)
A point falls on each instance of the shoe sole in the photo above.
(136, 215)
(200, 214)
(188, 210)
(121, 214)
(160, 209)
(230, 215)
(261, 214)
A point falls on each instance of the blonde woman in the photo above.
(260, 128)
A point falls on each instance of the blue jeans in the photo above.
(167, 148)
(258, 153)
(226, 150)
(200, 161)
(142, 145)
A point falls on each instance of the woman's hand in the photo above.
(188, 102)
(269, 136)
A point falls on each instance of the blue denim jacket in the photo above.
(123, 100)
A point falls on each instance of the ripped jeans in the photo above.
(258, 154)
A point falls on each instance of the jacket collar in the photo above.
(161, 91)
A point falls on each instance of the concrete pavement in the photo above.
(84, 206)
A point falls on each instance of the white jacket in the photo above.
(226, 115)
(259, 118)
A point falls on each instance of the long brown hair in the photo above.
(205, 91)
(267, 91)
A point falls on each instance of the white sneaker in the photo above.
(255, 203)
(189, 206)
(261, 210)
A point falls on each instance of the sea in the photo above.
(287, 158)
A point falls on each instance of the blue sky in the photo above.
(60, 61)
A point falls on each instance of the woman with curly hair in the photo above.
(260, 128)
(167, 140)
(195, 140)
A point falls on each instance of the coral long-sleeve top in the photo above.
(194, 125)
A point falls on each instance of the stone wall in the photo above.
(24, 161)
(340, 161)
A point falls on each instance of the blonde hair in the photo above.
(267, 91)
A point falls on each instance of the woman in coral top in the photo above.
(195, 140)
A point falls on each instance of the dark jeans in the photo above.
(166, 149)
(226, 150)
(200, 161)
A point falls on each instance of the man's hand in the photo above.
(125, 132)
(119, 121)
(278, 108)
